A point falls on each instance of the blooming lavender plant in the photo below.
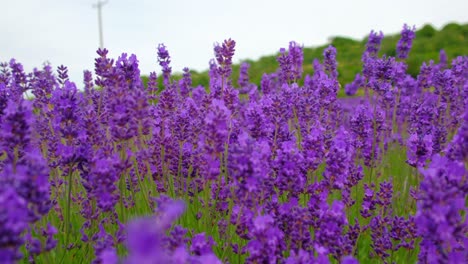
(404, 44)
(267, 174)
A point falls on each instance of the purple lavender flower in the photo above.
(248, 165)
(368, 202)
(362, 128)
(145, 240)
(289, 168)
(24, 169)
(18, 81)
(385, 194)
(457, 149)
(104, 243)
(329, 61)
(49, 233)
(269, 84)
(349, 260)
(459, 70)
(313, 148)
(88, 82)
(298, 237)
(443, 61)
(297, 58)
(351, 88)
(213, 138)
(223, 55)
(244, 74)
(403, 232)
(267, 242)
(327, 89)
(426, 74)
(419, 150)
(405, 42)
(381, 242)
(339, 161)
(62, 74)
(440, 208)
(152, 85)
(185, 83)
(177, 238)
(444, 86)
(13, 215)
(128, 69)
(256, 122)
(285, 63)
(201, 244)
(290, 63)
(68, 123)
(108, 256)
(241, 218)
(330, 236)
(164, 60)
(104, 174)
(16, 129)
(103, 68)
(126, 110)
(373, 43)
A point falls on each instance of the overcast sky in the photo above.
(66, 31)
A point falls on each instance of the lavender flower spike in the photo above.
(405, 42)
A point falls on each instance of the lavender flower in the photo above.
(213, 138)
(185, 83)
(13, 215)
(381, 242)
(285, 63)
(24, 185)
(290, 63)
(164, 60)
(67, 122)
(426, 74)
(457, 150)
(267, 242)
(368, 202)
(314, 148)
(329, 55)
(244, 74)
(362, 128)
(330, 233)
(128, 68)
(224, 54)
(419, 150)
(16, 129)
(405, 42)
(297, 58)
(373, 43)
(145, 240)
(248, 165)
(351, 88)
(288, 166)
(104, 174)
(441, 205)
(443, 61)
(201, 245)
(339, 161)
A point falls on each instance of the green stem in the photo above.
(69, 194)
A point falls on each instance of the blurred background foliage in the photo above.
(453, 38)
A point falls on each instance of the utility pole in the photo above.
(99, 6)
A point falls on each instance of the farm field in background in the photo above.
(121, 171)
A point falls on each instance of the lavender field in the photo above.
(117, 171)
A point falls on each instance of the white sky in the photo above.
(66, 31)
